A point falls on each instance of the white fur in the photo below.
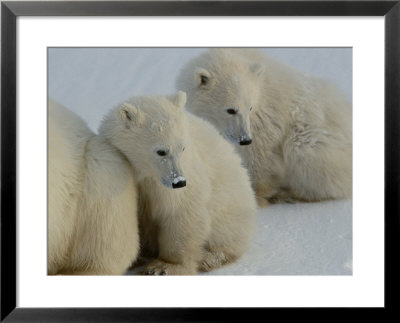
(203, 225)
(92, 215)
(300, 126)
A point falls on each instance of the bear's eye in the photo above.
(161, 153)
(231, 111)
(203, 80)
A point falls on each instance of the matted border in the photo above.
(11, 10)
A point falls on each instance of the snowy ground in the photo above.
(299, 239)
(292, 239)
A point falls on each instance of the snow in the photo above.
(299, 239)
(291, 239)
(178, 179)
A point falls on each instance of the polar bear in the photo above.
(293, 131)
(92, 200)
(196, 205)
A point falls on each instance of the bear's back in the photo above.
(66, 131)
(67, 138)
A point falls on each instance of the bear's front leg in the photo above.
(180, 240)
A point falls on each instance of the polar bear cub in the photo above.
(92, 199)
(293, 132)
(196, 206)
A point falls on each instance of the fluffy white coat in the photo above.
(208, 219)
(92, 200)
(293, 131)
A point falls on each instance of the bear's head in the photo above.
(223, 88)
(152, 133)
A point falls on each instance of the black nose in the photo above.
(179, 184)
(245, 142)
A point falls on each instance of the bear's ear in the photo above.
(202, 77)
(179, 99)
(257, 69)
(130, 114)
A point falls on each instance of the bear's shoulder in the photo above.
(207, 138)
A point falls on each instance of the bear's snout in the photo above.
(179, 184)
(245, 142)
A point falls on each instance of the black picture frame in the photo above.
(10, 10)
